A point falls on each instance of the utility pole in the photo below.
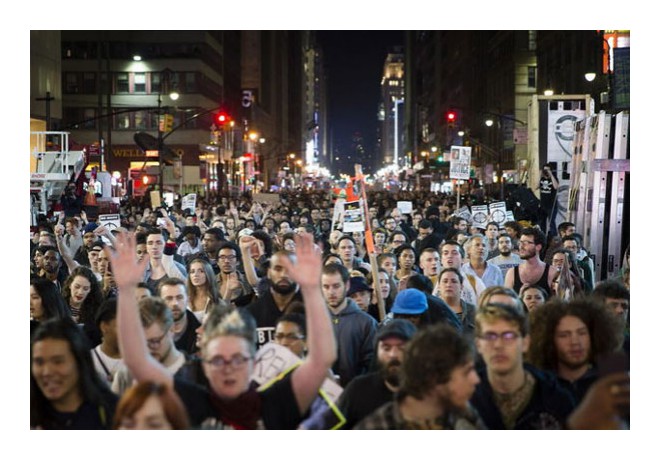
(47, 99)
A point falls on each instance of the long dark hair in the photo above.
(52, 302)
(93, 300)
(91, 387)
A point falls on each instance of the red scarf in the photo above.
(241, 413)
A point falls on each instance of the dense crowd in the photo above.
(171, 320)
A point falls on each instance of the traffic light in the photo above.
(222, 118)
(451, 117)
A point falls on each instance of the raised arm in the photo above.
(128, 273)
(245, 244)
(322, 348)
(65, 251)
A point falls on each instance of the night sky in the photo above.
(354, 67)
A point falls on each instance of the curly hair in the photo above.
(431, 356)
(601, 323)
(93, 300)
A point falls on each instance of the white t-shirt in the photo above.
(105, 366)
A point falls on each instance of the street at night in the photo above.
(330, 230)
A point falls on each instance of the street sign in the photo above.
(459, 165)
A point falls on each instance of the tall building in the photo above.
(109, 95)
(272, 63)
(392, 112)
(315, 107)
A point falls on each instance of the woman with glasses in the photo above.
(202, 288)
(228, 352)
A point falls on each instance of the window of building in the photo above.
(122, 83)
(89, 83)
(531, 76)
(141, 120)
(72, 85)
(155, 83)
(140, 83)
(123, 121)
(190, 83)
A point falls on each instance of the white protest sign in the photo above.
(189, 202)
(480, 216)
(498, 212)
(273, 359)
(464, 212)
(459, 163)
(111, 222)
(338, 212)
(404, 206)
(353, 221)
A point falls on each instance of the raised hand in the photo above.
(126, 269)
(308, 265)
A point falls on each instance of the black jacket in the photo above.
(548, 408)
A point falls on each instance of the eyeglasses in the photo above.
(235, 362)
(291, 336)
(229, 258)
(507, 336)
(153, 343)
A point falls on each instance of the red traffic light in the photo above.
(222, 118)
(451, 116)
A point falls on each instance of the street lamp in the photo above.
(165, 77)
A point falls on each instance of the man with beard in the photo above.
(506, 258)
(174, 294)
(616, 297)
(566, 339)
(233, 286)
(513, 394)
(477, 265)
(437, 379)
(532, 270)
(354, 329)
(368, 392)
(275, 301)
(157, 323)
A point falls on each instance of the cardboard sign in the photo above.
(479, 216)
(269, 198)
(498, 212)
(189, 202)
(155, 199)
(353, 221)
(404, 206)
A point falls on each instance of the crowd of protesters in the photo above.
(158, 324)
